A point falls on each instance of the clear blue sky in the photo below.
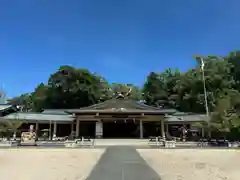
(123, 40)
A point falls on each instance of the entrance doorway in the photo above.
(152, 129)
(63, 130)
(87, 129)
(120, 129)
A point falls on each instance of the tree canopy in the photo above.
(71, 87)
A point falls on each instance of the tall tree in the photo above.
(155, 90)
(70, 87)
(160, 88)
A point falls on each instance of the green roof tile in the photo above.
(4, 106)
(187, 118)
(55, 111)
(38, 117)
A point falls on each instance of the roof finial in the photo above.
(123, 94)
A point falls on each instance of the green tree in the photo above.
(225, 118)
(10, 128)
(70, 87)
(155, 90)
(23, 101)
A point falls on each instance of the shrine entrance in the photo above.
(120, 129)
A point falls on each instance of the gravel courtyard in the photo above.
(197, 164)
(47, 164)
(77, 164)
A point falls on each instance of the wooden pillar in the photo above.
(72, 127)
(167, 131)
(77, 127)
(162, 129)
(203, 132)
(141, 129)
(36, 128)
(209, 132)
(50, 130)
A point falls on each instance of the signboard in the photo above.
(31, 128)
(99, 129)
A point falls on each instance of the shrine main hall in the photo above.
(114, 118)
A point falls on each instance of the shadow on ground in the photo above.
(122, 163)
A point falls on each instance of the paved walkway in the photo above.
(122, 163)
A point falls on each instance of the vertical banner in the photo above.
(99, 129)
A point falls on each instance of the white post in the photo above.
(162, 129)
(77, 127)
(141, 129)
(55, 130)
(205, 95)
(14, 135)
(50, 130)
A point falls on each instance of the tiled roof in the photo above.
(4, 106)
(55, 111)
(29, 116)
(127, 104)
(122, 111)
(187, 118)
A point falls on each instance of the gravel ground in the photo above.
(101, 164)
(47, 164)
(197, 164)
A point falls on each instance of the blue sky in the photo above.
(122, 40)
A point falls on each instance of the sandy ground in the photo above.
(76, 164)
(189, 164)
(47, 164)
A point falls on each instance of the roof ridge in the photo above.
(94, 105)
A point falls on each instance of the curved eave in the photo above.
(6, 107)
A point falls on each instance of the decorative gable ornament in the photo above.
(119, 109)
(124, 94)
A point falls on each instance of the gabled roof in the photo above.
(121, 105)
(29, 116)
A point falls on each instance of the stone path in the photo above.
(122, 163)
